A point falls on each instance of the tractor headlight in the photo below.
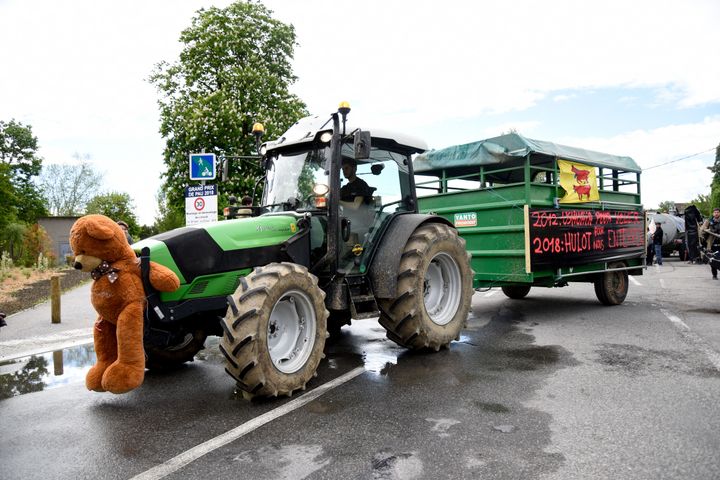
(326, 137)
(320, 189)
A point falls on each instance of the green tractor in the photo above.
(315, 254)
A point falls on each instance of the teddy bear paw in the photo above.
(121, 378)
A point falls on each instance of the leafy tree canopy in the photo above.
(19, 165)
(68, 188)
(667, 206)
(116, 205)
(235, 69)
(18, 149)
(702, 202)
(715, 185)
(7, 197)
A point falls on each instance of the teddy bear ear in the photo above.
(99, 230)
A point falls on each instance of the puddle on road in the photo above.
(45, 371)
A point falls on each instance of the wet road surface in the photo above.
(554, 386)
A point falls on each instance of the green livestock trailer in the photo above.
(535, 213)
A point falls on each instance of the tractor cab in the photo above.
(371, 182)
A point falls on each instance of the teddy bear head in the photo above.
(97, 238)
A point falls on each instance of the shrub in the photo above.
(36, 242)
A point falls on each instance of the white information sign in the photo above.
(200, 204)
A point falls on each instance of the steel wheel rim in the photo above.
(291, 331)
(442, 289)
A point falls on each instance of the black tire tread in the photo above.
(245, 345)
(404, 316)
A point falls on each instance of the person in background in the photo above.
(245, 209)
(3, 323)
(712, 231)
(657, 242)
(650, 254)
(126, 229)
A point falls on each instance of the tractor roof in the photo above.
(306, 130)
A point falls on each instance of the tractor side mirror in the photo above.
(361, 142)
(377, 168)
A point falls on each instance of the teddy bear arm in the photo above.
(162, 278)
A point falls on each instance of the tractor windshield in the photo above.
(381, 180)
(291, 178)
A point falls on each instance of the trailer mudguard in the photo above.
(386, 262)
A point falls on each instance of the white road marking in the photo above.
(634, 280)
(176, 463)
(709, 352)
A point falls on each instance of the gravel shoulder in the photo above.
(37, 292)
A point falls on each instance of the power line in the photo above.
(681, 158)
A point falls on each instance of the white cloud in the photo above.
(679, 181)
(76, 70)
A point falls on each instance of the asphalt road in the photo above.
(555, 386)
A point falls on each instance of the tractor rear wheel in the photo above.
(611, 287)
(434, 289)
(516, 292)
(275, 331)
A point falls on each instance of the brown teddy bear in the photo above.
(117, 294)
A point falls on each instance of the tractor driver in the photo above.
(356, 191)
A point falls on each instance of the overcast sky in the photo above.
(639, 78)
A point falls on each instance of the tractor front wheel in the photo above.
(275, 331)
(434, 289)
(612, 286)
(182, 349)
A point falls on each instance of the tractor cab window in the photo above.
(290, 180)
(372, 190)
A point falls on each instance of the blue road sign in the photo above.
(202, 166)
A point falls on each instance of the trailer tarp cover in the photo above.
(512, 147)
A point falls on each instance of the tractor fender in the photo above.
(386, 262)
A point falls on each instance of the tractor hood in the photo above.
(225, 246)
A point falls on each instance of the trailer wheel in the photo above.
(181, 351)
(434, 290)
(611, 287)
(275, 335)
(516, 291)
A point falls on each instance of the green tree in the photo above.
(715, 185)
(703, 204)
(235, 69)
(18, 153)
(666, 206)
(68, 188)
(8, 199)
(168, 219)
(116, 205)
(11, 240)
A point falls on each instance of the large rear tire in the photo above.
(274, 337)
(516, 292)
(611, 287)
(434, 289)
